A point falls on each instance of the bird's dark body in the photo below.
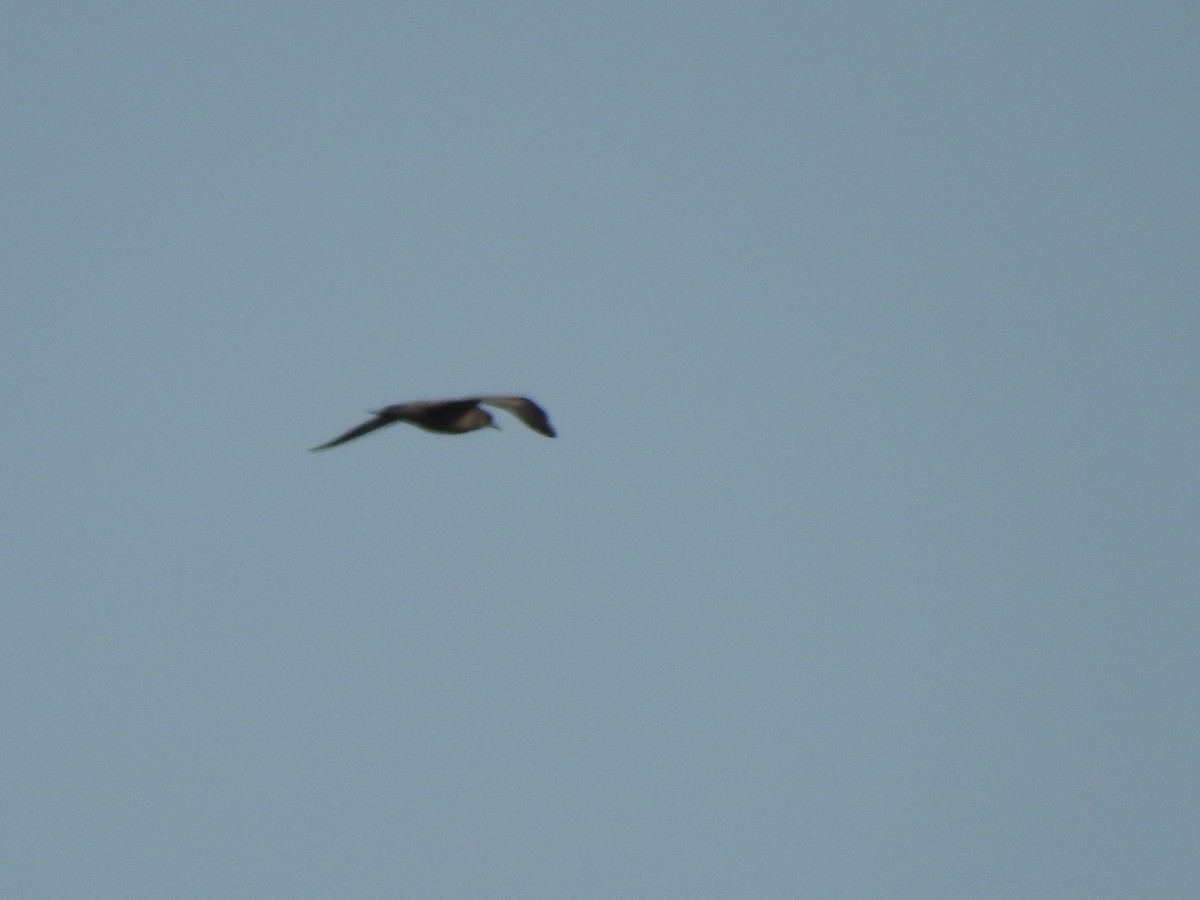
(444, 418)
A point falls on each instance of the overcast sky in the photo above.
(865, 564)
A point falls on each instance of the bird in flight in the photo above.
(451, 417)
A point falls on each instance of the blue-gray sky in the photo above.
(866, 564)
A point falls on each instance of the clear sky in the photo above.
(866, 564)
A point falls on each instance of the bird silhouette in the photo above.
(451, 417)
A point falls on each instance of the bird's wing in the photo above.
(364, 428)
(525, 410)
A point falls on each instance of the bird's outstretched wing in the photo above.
(525, 410)
(364, 428)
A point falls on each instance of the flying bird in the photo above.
(451, 417)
